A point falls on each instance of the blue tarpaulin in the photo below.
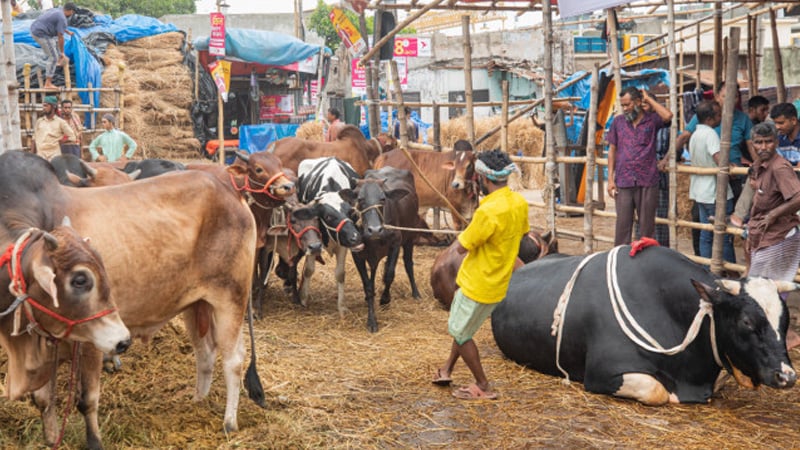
(87, 68)
(262, 47)
(256, 138)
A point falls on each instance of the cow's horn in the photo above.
(786, 286)
(243, 156)
(66, 221)
(91, 171)
(135, 174)
(730, 286)
(50, 241)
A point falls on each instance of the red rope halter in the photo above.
(299, 235)
(13, 258)
(264, 190)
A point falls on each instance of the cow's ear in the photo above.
(706, 292)
(349, 196)
(46, 278)
(237, 169)
(449, 165)
(397, 194)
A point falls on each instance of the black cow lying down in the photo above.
(663, 291)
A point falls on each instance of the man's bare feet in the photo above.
(50, 87)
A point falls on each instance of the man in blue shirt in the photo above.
(48, 31)
(740, 138)
(785, 117)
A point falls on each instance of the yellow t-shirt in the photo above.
(492, 239)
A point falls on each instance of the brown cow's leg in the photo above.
(204, 348)
(91, 363)
(308, 271)
(41, 399)
(228, 333)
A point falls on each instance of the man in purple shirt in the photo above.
(632, 166)
(48, 31)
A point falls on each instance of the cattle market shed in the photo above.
(725, 59)
(274, 84)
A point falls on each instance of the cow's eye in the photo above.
(81, 282)
(747, 323)
(259, 170)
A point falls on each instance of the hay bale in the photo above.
(523, 138)
(156, 95)
(311, 131)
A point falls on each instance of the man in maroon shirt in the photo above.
(632, 166)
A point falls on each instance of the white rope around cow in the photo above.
(621, 313)
(420, 230)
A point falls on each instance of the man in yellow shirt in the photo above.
(491, 242)
(49, 130)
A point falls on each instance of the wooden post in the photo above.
(373, 77)
(588, 199)
(550, 166)
(67, 79)
(196, 75)
(504, 119)
(776, 54)
(120, 97)
(725, 146)
(717, 66)
(698, 57)
(220, 128)
(437, 129)
(470, 116)
(26, 71)
(613, 53)
(394, 76)
(672, 213)
(751, 66)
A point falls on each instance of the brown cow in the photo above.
(445, 268)
(350, 146)
(177, 243)
(451, 173)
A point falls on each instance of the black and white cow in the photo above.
(319, 183)
(152, 167)
(385, 199)
(664, 293)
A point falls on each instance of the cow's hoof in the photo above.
(416, 295)
(231, 427)
(372, 327)
(112, 364)
(385, 300)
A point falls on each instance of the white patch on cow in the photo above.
(644, 388)
(787, 369)
(764, 292)
(332, 199)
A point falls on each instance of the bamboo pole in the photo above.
(196, 75)
(470, 116)
(588, 200)
(411, 17)
(776, 52)
(437, 128)
(672, 213)
(698, 58)
(67, 78)
(725, 145)
(551, 166)
(394, 76)
(751, 57)
(220, 128)
(717, 66)
(13, 140)
(120, 99)
(26, 72)
(613, 54)
(464, 104)
(504, 119)
(373, 76)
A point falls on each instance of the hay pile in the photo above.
(312, 131)
(523, 138)
(331, 384)
(157, 95)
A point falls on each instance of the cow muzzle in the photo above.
(785, 378)
(282, 188)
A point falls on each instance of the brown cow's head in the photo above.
(463, 167)
(303, 228)
(263, 175)
(101, 174)
(69, 292)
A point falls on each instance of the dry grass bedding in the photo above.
(331, 384)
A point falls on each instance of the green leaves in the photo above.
(151, 8)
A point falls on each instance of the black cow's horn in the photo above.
(243, 156)
(50, 241)
(91, 171)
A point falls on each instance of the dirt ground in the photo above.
(329, 383)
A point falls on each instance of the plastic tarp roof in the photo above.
(263, 47)
(87, 68)
(256, 138)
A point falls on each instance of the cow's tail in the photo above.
(252, 382)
